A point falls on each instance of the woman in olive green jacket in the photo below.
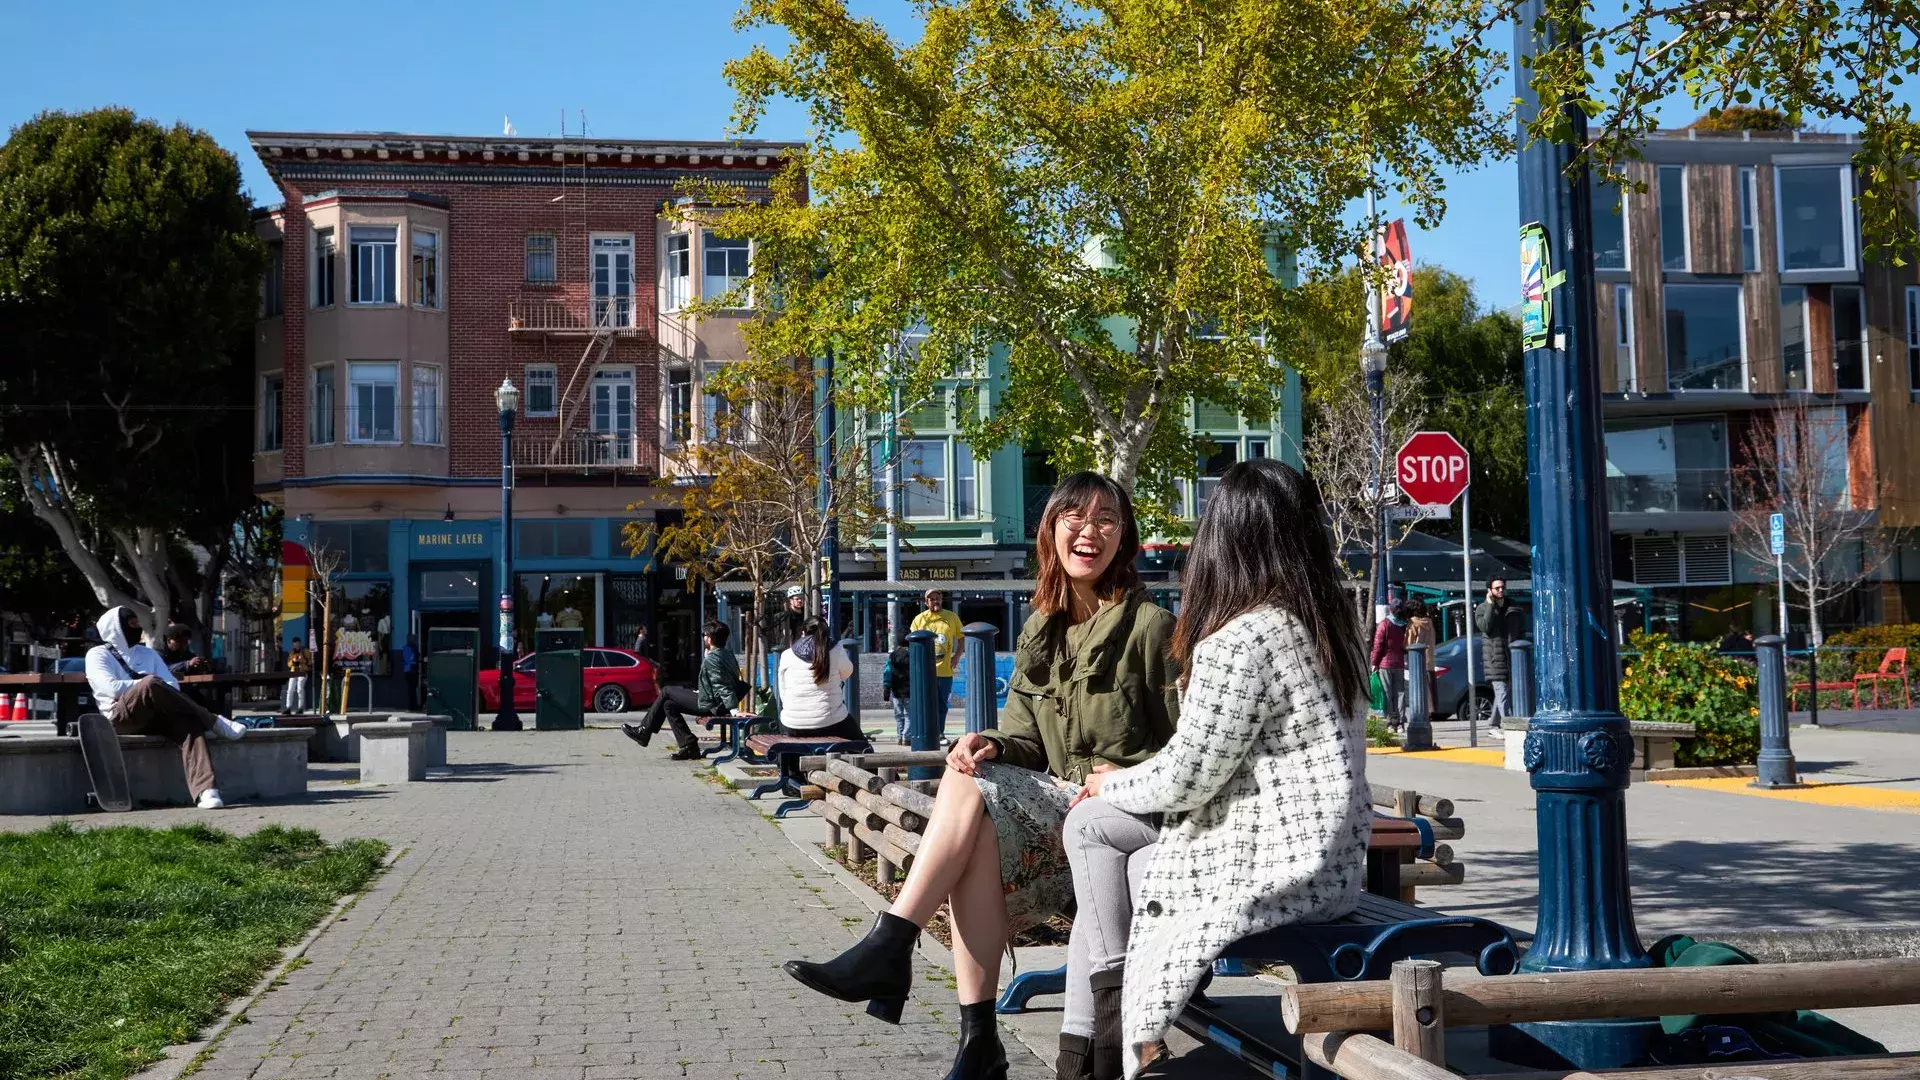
(1093, 688)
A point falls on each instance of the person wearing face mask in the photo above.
(1093, 689)
(133, 686)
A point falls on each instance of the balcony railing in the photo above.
(1682, 490)
(554, 315)
(580, 450)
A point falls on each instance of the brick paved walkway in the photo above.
(568, 907)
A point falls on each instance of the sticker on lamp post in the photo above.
(506, 623)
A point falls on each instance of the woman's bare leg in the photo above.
(979, 910)
(946, 848)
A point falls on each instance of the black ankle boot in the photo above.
(980, 1057)
(1105, 1059)
(878, 970)
(1075, 1060)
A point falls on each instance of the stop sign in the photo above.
(1432, 468)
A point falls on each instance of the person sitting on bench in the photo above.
(717, 693)
(1263, 785)
(813, 677)
(133, 686)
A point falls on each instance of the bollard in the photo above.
(1520, 677)
(926, 718)
(1776, 753)
(983, 714)
(852, 686)
(1419, 710)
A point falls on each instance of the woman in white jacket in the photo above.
(813, 680)
(1263, 787)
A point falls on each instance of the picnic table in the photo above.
(66, 690)
(219, 688)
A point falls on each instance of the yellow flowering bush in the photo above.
(1674, 682)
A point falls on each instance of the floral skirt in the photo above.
(1028, 809)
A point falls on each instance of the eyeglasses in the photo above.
(1104, 524)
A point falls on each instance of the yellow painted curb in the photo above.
(1459, 755)
(1856, 796)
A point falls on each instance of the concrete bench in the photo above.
(46, 774)
(393, 751)
(1654, 745)
(337, 738)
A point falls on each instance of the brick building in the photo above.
(410, 276)
(1737, 280)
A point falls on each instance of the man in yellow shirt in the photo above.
(945, 626)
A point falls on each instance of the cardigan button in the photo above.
(1153, 907)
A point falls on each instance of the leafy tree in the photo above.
(37, 583)
(1094, 188)
(1845, 60)
(128, 278)
(1467, 361)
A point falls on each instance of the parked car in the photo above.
(1450, 682)
(613, 680)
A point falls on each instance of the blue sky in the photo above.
(639, 68)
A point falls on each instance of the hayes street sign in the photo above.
(1432, 468)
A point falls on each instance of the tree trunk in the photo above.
(1121, 462)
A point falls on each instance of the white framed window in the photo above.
(712, 406)
(371, 255)
(611, 273)
(679, 395)
(320, 406)
(923, 470)
(325, 267)
(611, 418)
(679, 271)
(540, 262)
(271, 389)
(1749, 222)
(1609, 227)
(373, 402)
(426, 267)
(1674, 241)
(427, 429)
(726, 262)
(1813, 205)
(1913, 339)
(1625, 375)
(542, 392)
(273, 282)
(1706, 337)
(966, 482)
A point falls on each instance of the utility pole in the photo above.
(896, 633)
(830, 544)
(1577, 750)
(1373, 362)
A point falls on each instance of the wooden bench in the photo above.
(785, 751)
(1417, 1004)
(733, 728)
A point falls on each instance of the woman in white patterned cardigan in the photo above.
(1263, 786)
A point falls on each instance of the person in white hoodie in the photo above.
(135, 689)
(813, 678)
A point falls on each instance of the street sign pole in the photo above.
(1777, 539)
(1466, 609)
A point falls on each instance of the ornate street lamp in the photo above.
(508, 400)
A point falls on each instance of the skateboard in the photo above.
(106, 767)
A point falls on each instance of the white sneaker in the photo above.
(228, 729)
(210, 800)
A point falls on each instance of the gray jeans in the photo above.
(1109, 850)
(1501, 702)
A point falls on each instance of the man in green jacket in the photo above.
(717, 693)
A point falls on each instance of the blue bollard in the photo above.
(926, 718)
(1776, 763)
(1419, 707)
(1520, 676)
(852, 686)
(982, 713)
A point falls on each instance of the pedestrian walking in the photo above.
(899, 685)
(946, 629)
(1494, 620)
(1389, 659)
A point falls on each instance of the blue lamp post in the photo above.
(507, 398)
(1577, 749)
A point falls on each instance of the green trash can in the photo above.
(559, 679)
(452, 676)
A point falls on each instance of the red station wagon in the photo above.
(614, 680)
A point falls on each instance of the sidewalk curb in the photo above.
(184, 1059)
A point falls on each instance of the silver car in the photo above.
(1450, 682)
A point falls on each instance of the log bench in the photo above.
(1417, 1003)
(45, 774)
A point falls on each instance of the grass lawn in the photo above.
(115, 943)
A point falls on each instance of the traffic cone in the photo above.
(20, 713)
(11, 710)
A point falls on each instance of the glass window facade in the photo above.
(1705, 338)
(361, 545)
(1849, 338)
(271, 387)
(1665, 466)
(572, 539)
(1816, 212)
(1673, 217)
(1609, 228)
(1793, 336)
(374, 249)
(426, 268)
(373, 399)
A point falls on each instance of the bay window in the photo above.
(320, 401)
(371, 255)
(426, 268)
(373, 394)
(726, 261)
(324, 267)
(271, 387)
(679, 271)
(426, 405)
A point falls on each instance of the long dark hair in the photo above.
(822, 636)
(1083, 491)
(1261, 542)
